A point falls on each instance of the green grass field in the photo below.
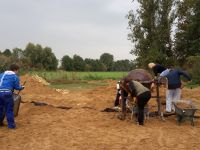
(191, 85)
(64, 75)
(77, 80)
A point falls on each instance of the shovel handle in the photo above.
(22, 85)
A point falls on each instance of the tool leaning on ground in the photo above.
(17, 100)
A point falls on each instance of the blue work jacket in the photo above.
(173, 77)
(9, 81)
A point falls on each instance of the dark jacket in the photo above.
(173, 76)
(158, 69)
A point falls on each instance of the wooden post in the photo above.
(160, 114)
(124, 108)
(158, 98)
(123, 105)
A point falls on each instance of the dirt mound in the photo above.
(40, 79)
(84, 126)
(37, 85)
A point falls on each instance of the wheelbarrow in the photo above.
(183, 114)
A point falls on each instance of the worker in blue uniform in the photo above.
(9, 81)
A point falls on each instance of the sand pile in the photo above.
(44, 82)
(183, 105)
(37, 84)
(62, 91)
(40, 79)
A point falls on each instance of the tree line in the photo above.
(162, 31)
(32, 57)
(104, 63)
(36, 57)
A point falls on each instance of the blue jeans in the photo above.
(7, 104)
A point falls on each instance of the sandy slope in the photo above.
(85, 127)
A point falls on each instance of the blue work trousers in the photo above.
(6, 105)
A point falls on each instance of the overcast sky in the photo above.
(87, 28)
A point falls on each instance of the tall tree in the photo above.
(94, 65)
(17, 53)
(4, 62)
(34, 54)
(78, 63)
(18, 57)
(7, 52)
(166, 17)
(40, 58)
(108, 60)
(150, 28)
(49, 60)
(67, 63)
(187, 38)
(122, 65)
(194, 30)
(183, 37)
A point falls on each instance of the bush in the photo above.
(4, 63)
(192, 65)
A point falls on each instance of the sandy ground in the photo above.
(85, 127)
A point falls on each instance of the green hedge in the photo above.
(193, 67)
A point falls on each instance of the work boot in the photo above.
(12, 126)
(1, 124)
(141, 123)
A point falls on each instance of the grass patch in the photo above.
(77, 80)
(191, 85)
(55, 75)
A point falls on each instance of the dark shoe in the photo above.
(1, 124)
(141, 123)
(12, 126)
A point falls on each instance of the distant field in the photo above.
(71, 80)
(77, 80)
(64, 75)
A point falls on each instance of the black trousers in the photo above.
(142, 100)
(118, 94)
(117, 99)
